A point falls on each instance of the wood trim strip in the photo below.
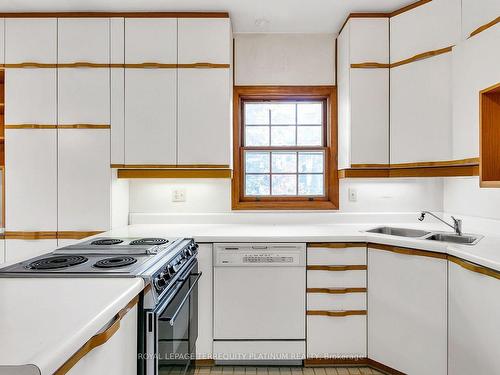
(170, 166)
(97, 340)
(22, 235)
(336, 313)
(150, 65)
(370, 65)
(363, 173)
(367, 166)
(115, 14)
(484, 27)
(204, 362)
(76, 235)
(409, 7)
(84, 126)
(351, 267)
(489, 135)
(336, 290)
(30, 126)
(203, 65)
(320, 362)
(422, 56)
(417, 171)
(174, 173)
(83, 64)
(407, 251)
(444, 163)
(474, 267)
(30, 64)
(336, 245)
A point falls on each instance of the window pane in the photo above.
(257, 162)
(284, 162)
(257, 136)
(256, 114)
(257, 184)
(283, 114)
(311, 184)
(284, 184)
(310, 136)
(311, 162)
(282, 135)
(310, 113)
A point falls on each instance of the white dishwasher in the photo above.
(259, 302)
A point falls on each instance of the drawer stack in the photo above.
(336, 300)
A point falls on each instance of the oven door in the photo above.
(172, 328)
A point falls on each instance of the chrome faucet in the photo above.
(457, 223)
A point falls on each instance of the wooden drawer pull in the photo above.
(31, 64)
(353, 267)
(336, 313)
(336, 290)
(98, 339)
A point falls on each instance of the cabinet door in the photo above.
(19, 250)
(150, 116)
(31, 179)
(30, 96)
(84, 96)
(473, 326)
(83, 40)
(344, 98)
(369, 116)
(31, 40)
(369, 40)
(151, 40)
(84, 183)
(407, 312)
(474, 16)
(421, 127)
(117, 87)
(204, 116)
(2, 251)
(204, 40)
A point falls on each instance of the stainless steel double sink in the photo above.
(464, 239)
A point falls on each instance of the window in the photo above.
(283, 148)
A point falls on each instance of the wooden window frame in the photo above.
(330, 201)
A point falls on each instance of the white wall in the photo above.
(284, 59)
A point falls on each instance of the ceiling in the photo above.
(289, 16)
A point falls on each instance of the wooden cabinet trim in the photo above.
(336, 290)
(76, 235)
(484, 27)
(489, 135)
(174, 173)
(84, 126)
(407, 251)
(30, 126)
(203, 65)
(474, 267)
(115, 14)
(98, 339)
(336, 245)
(30, 65)
(90, 65)
(370, 65)
(340, 268)
(83, 64)
(170, 166)
(417, 170)
(336, 313)
(443, 163)
(422, 56)
(409, 7)
(24, 235)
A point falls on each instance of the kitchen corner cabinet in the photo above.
(84, 180)
(204, 113)
(363, 93)
(474, 332)
(407, 304)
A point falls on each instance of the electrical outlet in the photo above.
(353, 195)
(179, 195)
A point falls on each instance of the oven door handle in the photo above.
(171, 319)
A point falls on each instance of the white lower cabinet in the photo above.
(407, 320)
(19, 250)
(2, 251)
(117, 356)
(474, 332)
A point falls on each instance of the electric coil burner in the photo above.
(107, 241)
(115, 262)
(62, 261)
(149, 241)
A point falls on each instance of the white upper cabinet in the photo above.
(344, 98)
(429, 27)
(2, 40)
(421, 128)
(31, 40)
(369, 40)
(476, 14)
(204, 113)
(205, 40)
(151, 116)
(31, 179)
(83, 40)
(117, 87)
(117, 40)
(30, 96)
(151, 40)
(84, 180)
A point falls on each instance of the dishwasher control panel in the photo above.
(248, 255)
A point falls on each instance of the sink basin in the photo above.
(402, 232)
(455, 238)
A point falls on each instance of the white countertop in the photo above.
(485, 253)
(44, 321)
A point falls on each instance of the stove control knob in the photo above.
(165, 276)
(189, 252)
(160, 283)
(170, 270)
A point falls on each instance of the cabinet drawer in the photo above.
(336, 254)
(328, 301)
(336, 279)
(336, 337)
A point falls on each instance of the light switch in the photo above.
(353, 195)
(179, 195)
